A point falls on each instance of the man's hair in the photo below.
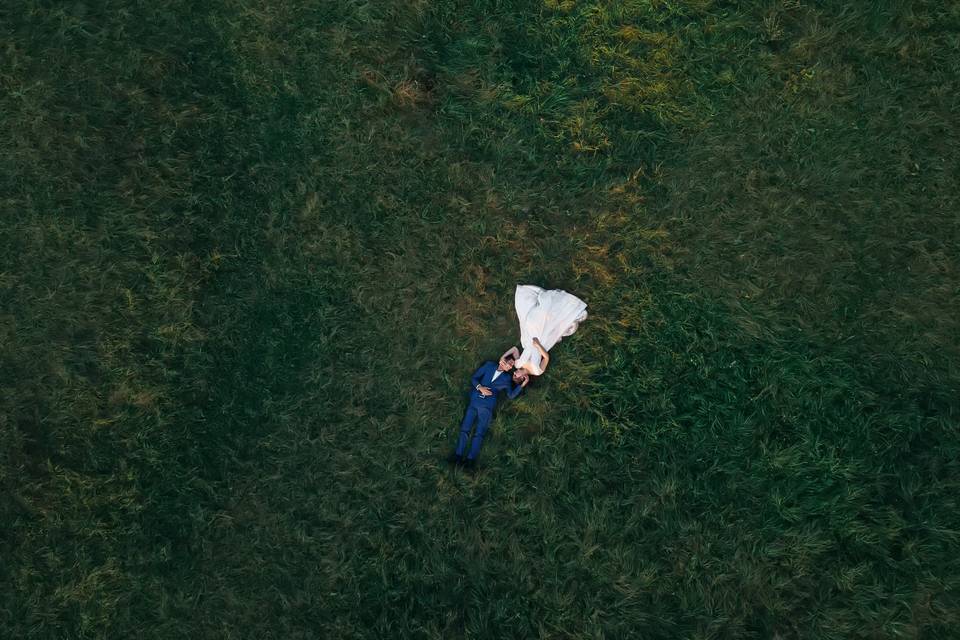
(509, 358)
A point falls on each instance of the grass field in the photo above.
(252, 250)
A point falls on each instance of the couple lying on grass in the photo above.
(546, 317)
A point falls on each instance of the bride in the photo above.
(546, 317)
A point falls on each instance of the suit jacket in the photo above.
(484, 376)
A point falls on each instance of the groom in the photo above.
(488, 381)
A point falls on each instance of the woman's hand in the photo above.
(513, 353)
(543, 354)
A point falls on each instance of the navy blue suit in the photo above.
(481, 407)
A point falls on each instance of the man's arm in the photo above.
(478, 375)
(517, 389)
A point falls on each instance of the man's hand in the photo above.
(484, 391)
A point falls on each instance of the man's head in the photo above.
(506, 363)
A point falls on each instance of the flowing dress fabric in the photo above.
(547, 315)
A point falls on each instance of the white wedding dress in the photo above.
(548, 316)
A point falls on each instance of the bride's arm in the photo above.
(544, 356)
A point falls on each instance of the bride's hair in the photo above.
(530, 376)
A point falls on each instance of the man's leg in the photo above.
(484, 417)
(468, 419)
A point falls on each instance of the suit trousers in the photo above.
(482, 416)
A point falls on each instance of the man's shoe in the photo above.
(454, 459)
(470, 465)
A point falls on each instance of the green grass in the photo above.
(251, 252)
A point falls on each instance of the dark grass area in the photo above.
(252, 251)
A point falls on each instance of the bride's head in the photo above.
(520, 375)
